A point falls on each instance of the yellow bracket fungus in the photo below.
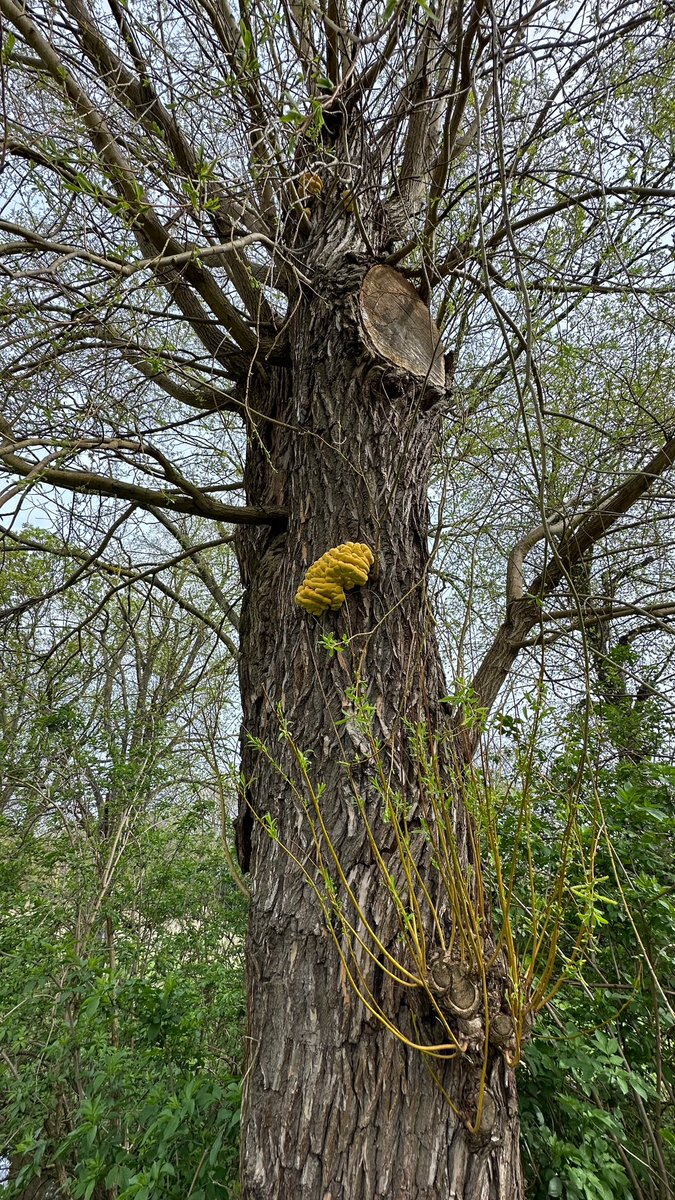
(349, 200)
(309, 184)
(332, 575)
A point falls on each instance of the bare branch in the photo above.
(196, 502)
(524, 612)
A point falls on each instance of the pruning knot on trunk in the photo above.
(460, 995)
(457, 991)
(400, 330)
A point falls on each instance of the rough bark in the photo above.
(336, 1107)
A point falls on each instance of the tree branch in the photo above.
(524, 610)
(198, 504)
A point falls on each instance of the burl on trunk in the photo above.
(340, 1101)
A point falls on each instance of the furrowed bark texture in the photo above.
(336, 1107)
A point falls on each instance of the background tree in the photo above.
(121, 930)
(231, 236)
(597, 1089)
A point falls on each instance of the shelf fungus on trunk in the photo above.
(334, 574)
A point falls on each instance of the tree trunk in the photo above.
(337, 1107)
